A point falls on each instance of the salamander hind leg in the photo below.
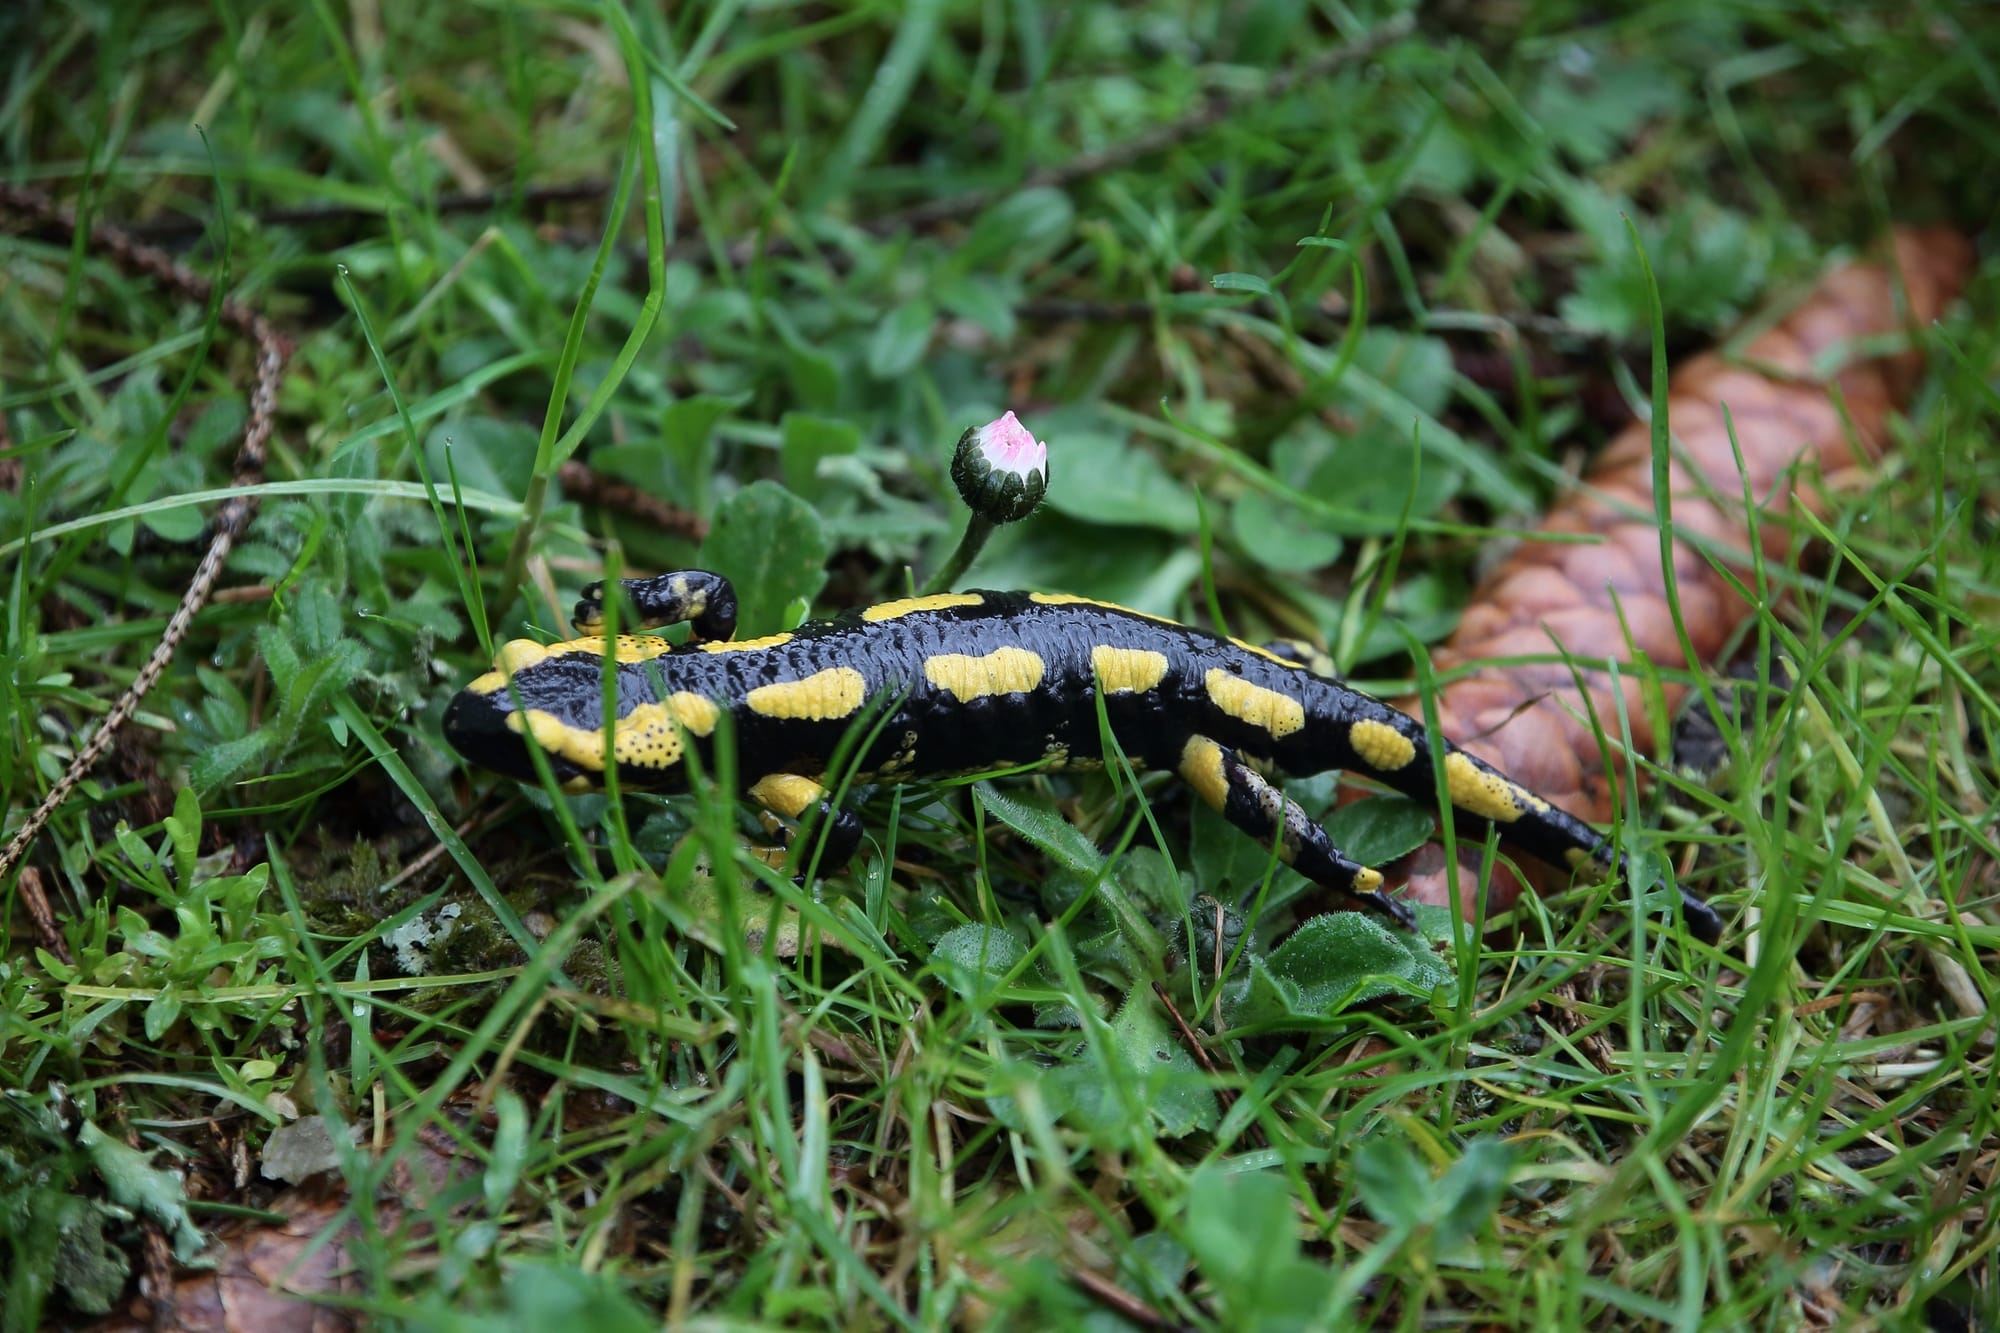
(704, 601)
(790, 796)
(1247, 800)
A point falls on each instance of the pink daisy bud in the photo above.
(1001, 470)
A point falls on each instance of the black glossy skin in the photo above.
(951, 736)
(927, 731)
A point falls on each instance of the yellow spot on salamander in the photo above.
(1201, 768)
(514, 657)
(695, 712)
(517, 655)
(1002, 671)
(693, 604)
(1071, 599)
(493, 682)
(628, 649)
(1128, 670)
(821, 697)
(910, 606)
(584, 749)
(648, 737)
(1279, 714)
(787, 794)
(1367, 881)
(746, 645)
(1488, 795)
(1381, 746)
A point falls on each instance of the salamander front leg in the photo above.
(1251, 803)
(789, 796)
(704, 601)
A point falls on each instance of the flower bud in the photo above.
(1001, 470)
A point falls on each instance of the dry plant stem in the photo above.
(1115, 1298)
(1805, 398)
(584, 484)
(47, 933)
(230, 521)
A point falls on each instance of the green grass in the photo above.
(642, 1076)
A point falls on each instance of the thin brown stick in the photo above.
(43, 917)
(1114, 1297)
(588, 486)
(231, 520)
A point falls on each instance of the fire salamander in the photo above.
(964, 682)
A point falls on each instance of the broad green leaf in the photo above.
(1590, 102)
(216, 429)
(86, 1264)
(1041, 825)
(184, 833)
(773, 548)
(539, 1295)
(1239, 1223)
(972, 958)
(1280, 537)
(980, 299)
(133, 1181)
(901, 339)
(1151, 882)
(1101, 479)
(1136, 567)
(1020, 231)
(1471, 1190)
(1372, 472)
(316, 619)
(1393, 1182)
(813, 374)
(1156, 1262)
(221, 762)
(503, 1163)
(687, 426)
(1175, 1087)
(1240, 282)
(1331, 963)
(177, 523)
(1416, 368)
(1378, 829)
(1230, 865)
(805, 440)
(161, 1013)
(280, 657)
(488, 455)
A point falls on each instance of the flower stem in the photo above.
(977, 530)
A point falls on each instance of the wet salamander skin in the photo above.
(964, 682)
